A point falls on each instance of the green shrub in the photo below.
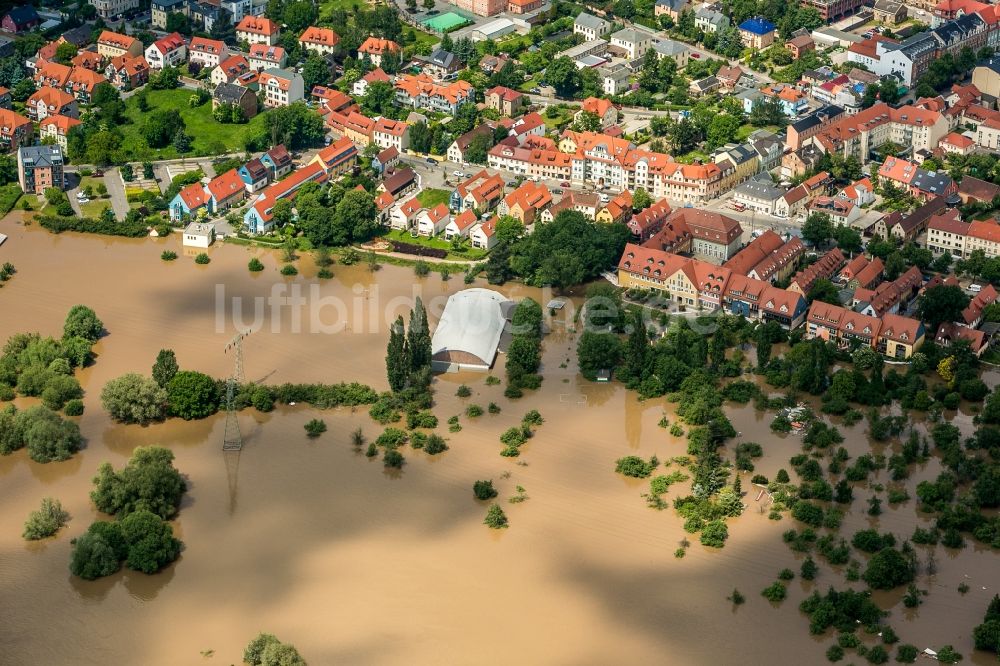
(495, 518)
(289, 270)
(315, 428)
(463, 391)
(533, 418)
(392, 458)
(634, 466)
(484, 490)
(493, 408)
(714, 534)
(435, 444)
(774, 593)
(255, 265)
(472, 411)
(46, 521)
(74, 407)
(202, 259)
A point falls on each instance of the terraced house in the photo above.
(893, 335)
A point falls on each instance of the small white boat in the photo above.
(3, 238)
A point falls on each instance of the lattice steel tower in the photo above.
(233, 439)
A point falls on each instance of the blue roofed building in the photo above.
(757, 32)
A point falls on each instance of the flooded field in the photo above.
(353, 564)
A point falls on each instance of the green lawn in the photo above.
(439, 243)
(209, 137)
(432, 197)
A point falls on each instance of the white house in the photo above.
(483, 235)
(199, 234)
(404, 215)
(590, 26)
(281, 87)
(633, 42)
(460, 225)
(169, 51)
(431, 222)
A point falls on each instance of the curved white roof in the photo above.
(472, 322)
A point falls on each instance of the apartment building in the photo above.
(892, 335)
(46, 102)
(859, 135)
(590, 26)
(112, 44)
(375, 47)
(481, 7)
(229, 70)
(481, 191)
(112, 9)
(281, 87)
(258, 30)
(391, 134)
(127, 73)
(319, 40)
(15, 130)
(910, 59)
(823, 269)
(259, 217)
(170, 51)
(207, 52)
(56, 128)
(767, 258)
(422, 92)
(264, 56)
(504, 101)
(39, 168)
(632, 42)
(705, 286)
(161, 9)
(921, 183)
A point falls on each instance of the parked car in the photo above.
(565, 183)
(457, 174)
(557, 190)
(431, 160)
(695, 55)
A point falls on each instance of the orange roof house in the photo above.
(226, 190)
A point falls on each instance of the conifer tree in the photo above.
(418, 338)
(396, 359)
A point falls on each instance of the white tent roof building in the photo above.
(468, 334)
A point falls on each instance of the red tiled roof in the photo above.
(224, 186)
(258, 25)
(194, 196)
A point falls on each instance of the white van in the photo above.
(975, 288)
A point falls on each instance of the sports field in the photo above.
(445, 22)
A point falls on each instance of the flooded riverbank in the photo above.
(353, 564)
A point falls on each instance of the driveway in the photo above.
(116, 190)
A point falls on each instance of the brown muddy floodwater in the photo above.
(352, 564)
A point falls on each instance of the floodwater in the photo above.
(321, 546)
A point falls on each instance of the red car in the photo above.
(564, 184)
(695, 55)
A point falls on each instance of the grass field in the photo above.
(9, 194)
(432, 197)
(209, 137)
(439, 243)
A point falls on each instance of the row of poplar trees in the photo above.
(408, 355)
